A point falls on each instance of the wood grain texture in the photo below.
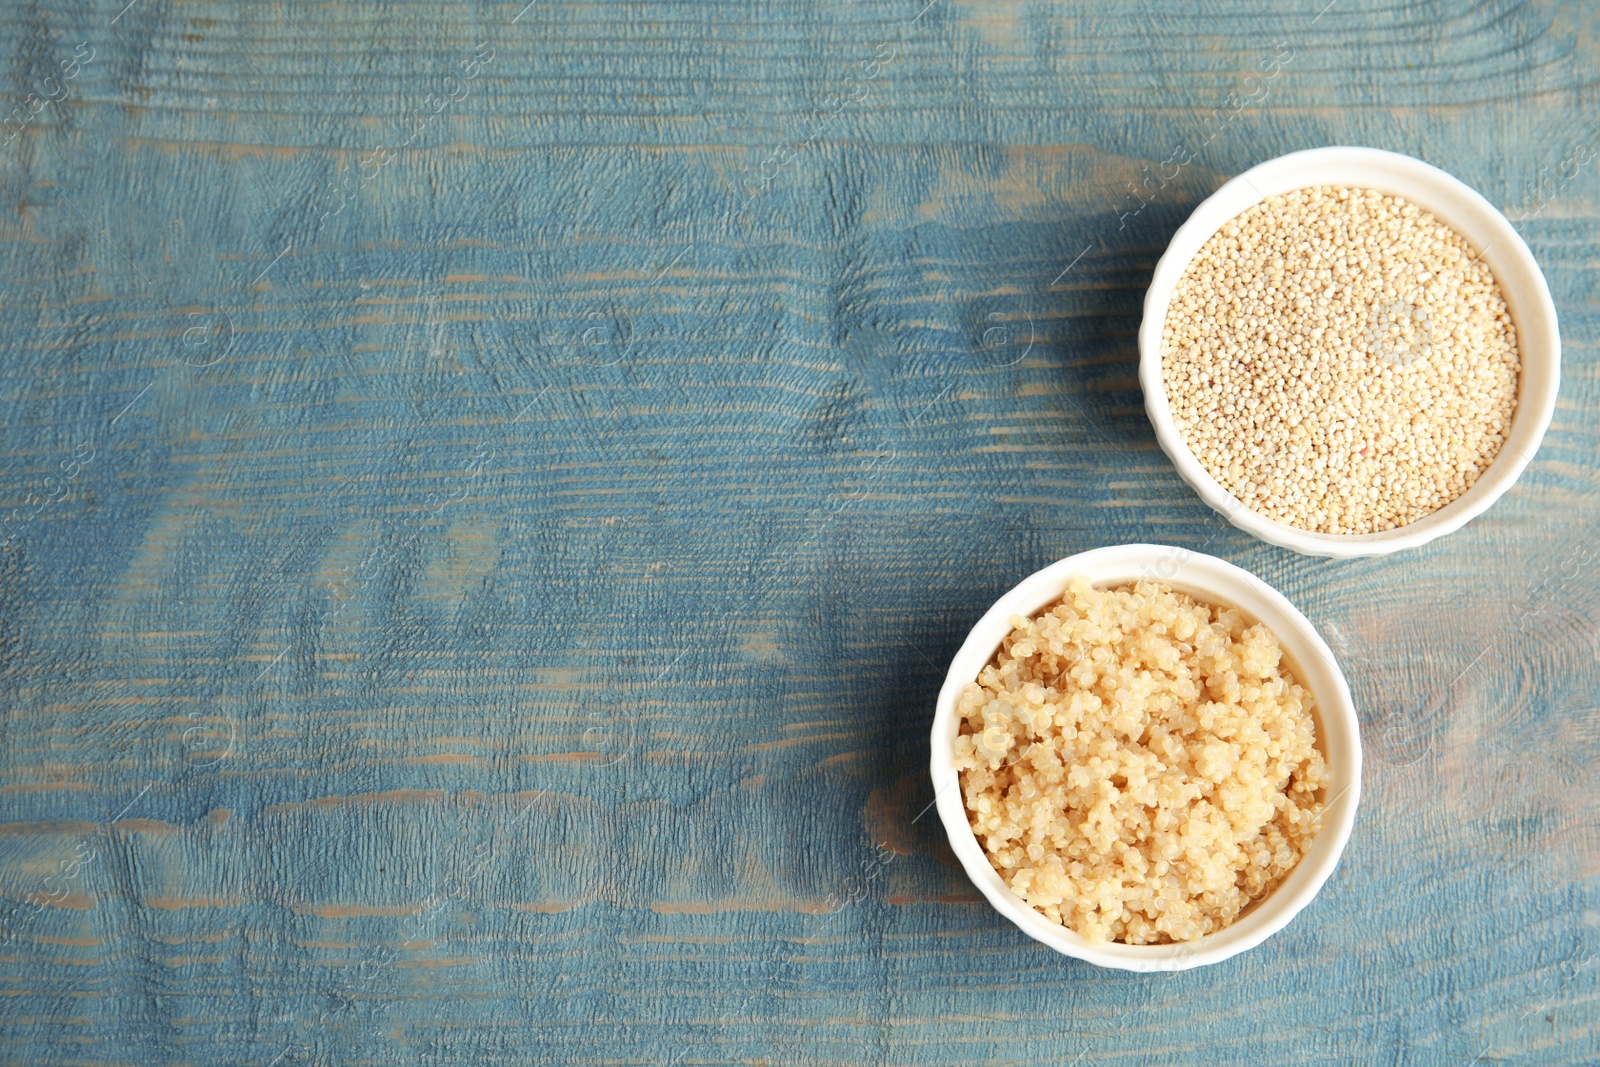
(517, 475)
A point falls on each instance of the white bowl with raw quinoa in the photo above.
(1146, 758)
(1347, 352)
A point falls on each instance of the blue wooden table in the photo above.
(491, 491)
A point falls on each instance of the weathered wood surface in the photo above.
(504, 534)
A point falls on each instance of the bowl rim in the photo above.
(1448, 198)
(1220, 582)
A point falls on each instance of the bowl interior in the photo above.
(1214, 581)
(1453, 203)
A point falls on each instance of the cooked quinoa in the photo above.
(1140, 766)
(1340, 360)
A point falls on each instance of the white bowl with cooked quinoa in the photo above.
(1146, 758)
(1347, 352)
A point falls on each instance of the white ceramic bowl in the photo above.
(1453, 204)
(1214, 581)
